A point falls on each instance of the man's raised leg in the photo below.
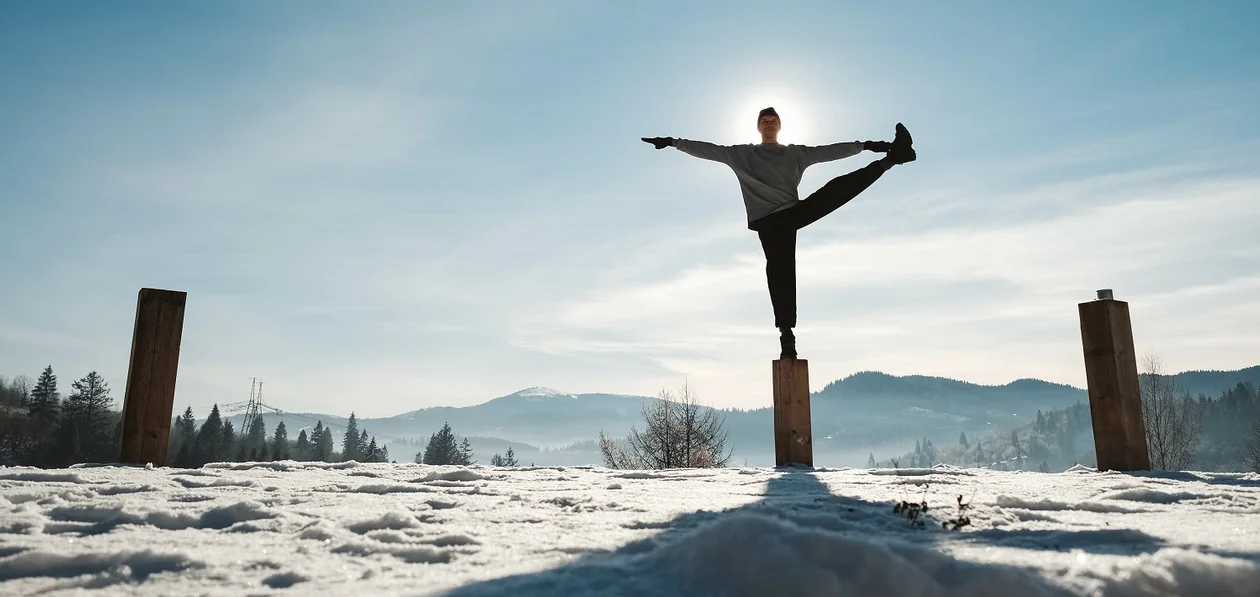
(834, 194)
(842, 189)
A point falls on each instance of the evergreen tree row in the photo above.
(38, 427)
(216, 441)
(443, 449)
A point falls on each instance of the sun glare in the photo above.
(792, 111)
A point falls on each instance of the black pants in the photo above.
(777, 232)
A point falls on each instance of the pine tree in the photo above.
(210, 438)
(85, 418)
(465, 454)
(962, 438)
(363, 442)
(231, 451)
(870, 461)
(255, 439)
(45, 403)
(351, 449)
(302, 449)
(184, 438)
(375, 452)
(441, 448)
(317, 438)
(280, 443)
(508, 459)
(324, 449)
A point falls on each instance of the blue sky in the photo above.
(386, 206)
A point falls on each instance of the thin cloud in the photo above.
(39, 338)
(946, 291)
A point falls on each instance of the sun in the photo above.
(792, 111)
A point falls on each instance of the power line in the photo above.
(254, 406)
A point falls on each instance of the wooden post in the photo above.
(150, 394)
(1115, 402)
(793, 437)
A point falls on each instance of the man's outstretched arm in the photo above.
(700, 149)
(837, 151)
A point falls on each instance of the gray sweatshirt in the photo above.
(768, 174)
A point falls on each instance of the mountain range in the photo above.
(864, 413)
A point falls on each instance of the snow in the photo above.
(457, 475)
(41, 476)
(387, 529)
(543, 393)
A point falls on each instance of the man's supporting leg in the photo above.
(779, 245)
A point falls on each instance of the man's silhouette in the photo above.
(768, 175)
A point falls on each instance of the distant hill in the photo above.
(1213, 383)
(1063, 438)
(539, 416)
(876, 412)
(862, 413)
(868, 406)
(534, 420)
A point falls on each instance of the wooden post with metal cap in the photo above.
(1115, 400)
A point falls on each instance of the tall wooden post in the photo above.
(1115, 402)
(150, 394)
(793, 437)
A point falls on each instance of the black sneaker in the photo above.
(901, 151)
(787, 341)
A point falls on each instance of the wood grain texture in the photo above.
(793, 435)
(1128, 387)
(1115, 402)
(150, 395)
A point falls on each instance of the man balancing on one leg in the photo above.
(768, 175)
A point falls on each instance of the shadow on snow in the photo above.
(802, 539)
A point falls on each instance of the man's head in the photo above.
(768, 125)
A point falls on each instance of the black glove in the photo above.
(660, 142)
(878, 146)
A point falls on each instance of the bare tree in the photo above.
(14, 393)
(615, 453)
(22, 387)
(1253, 447)
(678, 432)
(1172, 419)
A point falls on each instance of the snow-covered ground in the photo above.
(382, 529)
